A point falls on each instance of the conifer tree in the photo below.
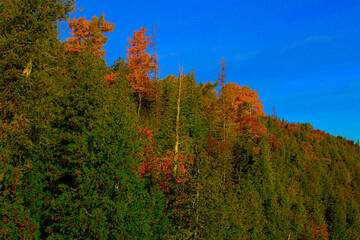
(88, 35)
(140, 64)
(30, 56)
(221, 75)
(156, 76)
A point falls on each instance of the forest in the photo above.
(91, 151)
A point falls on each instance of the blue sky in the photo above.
(303, 56)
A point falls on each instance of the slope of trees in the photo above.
(79, 161)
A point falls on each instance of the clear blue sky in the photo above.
(303, 56)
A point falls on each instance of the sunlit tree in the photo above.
(88, 35)
(140, 64)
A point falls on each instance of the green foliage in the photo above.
(77, 161)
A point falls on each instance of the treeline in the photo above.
(89, 151)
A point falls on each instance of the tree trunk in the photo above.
(139, 105)
(177, 129)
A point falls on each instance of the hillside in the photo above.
(90, 151)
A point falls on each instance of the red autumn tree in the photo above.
(88, 35)
(140, 64)
(160, 169)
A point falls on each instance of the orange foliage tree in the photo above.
(110, 78)
(241, 100)
(88, 35)
(140, 64)
(244, 107)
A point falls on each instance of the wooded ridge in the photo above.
(90, 151)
